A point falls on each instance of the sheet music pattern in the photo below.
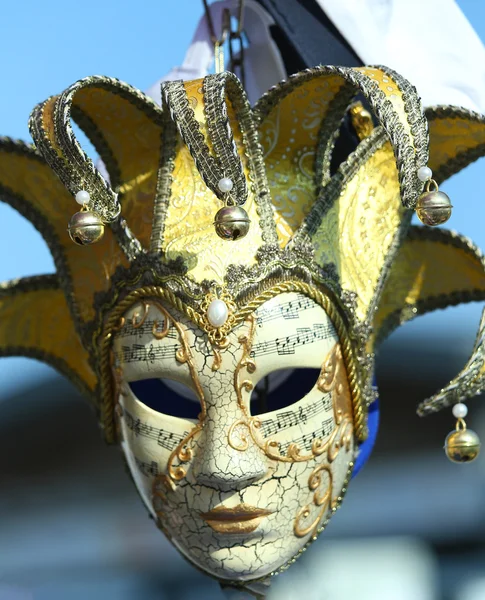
(286, 310)
(150, 469)
(287, 345)
(290, 418)
(150, 353)
(146, 328)
(305, 441)
(166, 439)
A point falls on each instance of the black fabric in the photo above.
(306, 37)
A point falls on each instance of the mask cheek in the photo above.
(324, 484)
(149, 441)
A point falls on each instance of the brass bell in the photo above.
(433, 207)
(85, 227)
(231, 223)
(462, 445)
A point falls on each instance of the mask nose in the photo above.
(217, 462)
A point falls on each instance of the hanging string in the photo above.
(236, 44)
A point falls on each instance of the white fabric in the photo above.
(263, 64)
(429, 42)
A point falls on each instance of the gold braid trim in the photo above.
(112, 323)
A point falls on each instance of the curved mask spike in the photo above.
(468, 383)
(127, 130)
(35, 322)
(125, 127)
(29, 185)
(299, 122)
(416, 284)
(216, 124)
(457, 139)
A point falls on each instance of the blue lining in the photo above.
(365, 449)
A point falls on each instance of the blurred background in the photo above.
(71, 524)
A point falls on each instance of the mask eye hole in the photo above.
(290, 391)
(155, 394)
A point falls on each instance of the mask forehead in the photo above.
(280, 473)
(290, 330)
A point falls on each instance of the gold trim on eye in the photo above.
(246, 362)
(332, 379)
(183, 453)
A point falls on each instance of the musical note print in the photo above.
(290, 418)
(166, 439)
(130, 329)
(150, 354)
(287, 345)
(286, 310)
(305, 441)
(148, 469)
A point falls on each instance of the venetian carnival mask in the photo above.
(231, 257)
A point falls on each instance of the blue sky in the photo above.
(46, 46)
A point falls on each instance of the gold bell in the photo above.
(85, 227)
(231, 223)
(433, 207)
(462, 445)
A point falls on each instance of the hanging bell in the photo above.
(433, 207)
(85, 227)
(231, 223)
(462, 445)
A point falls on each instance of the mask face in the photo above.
(238, 494)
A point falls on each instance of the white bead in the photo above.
(225, 184)
(425, 174)
(460, 410)
(82, 197)
(217, 313)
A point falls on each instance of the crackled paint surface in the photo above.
(290, 464)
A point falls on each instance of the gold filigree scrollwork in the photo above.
(246, 362)
(161, 485)
(343, 439)
(321, 500)
(136, 321)
(183, 354)
(237, 439)
(218, 335)
(183, 453)
(216, 365)
(331, 380)
(326, 379)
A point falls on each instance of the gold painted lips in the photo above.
(240, 519)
